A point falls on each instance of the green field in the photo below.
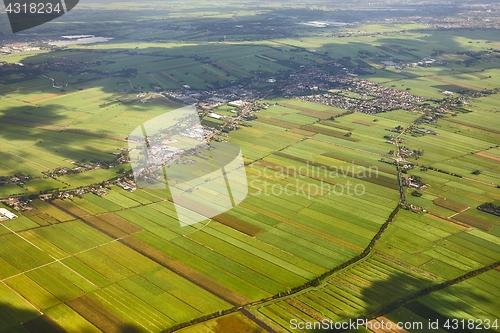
(328, 229)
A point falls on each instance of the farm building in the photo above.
(215, 115)
(5, 214)
(238, 103)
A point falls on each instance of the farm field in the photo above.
(456, 302)
(373, 284)
(269, 251)
(313, 231)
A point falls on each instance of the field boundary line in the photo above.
(30, 161)
(463, 210)
(192, 232)
(50, 255)
(55, 260)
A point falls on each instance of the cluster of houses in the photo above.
(127, 185)
(383, 98)
(414, 182)
(18, 179)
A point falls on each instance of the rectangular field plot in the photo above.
(213, 278)
(54, 283)
(69, 208)
(70, 319)
(70, 238)
(20, 223)
(121, 262)
(88, 206)
(11, 190)
(265, 251)
(98, 315)
(263, 267)
(20, 254)
(102, 202)
(164, 302)
(147, 224)
(14, 309)
(52, 210)
(109, 268)
(33, 292)
(131, 309)
(360, 289)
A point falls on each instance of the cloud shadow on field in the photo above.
(15, 319)
(45, 128)
(394, 296)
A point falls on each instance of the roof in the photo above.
(5, 213)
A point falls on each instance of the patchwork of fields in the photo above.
(321, 234)
(123, 258)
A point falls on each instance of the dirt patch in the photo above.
(473, 222)
(104, 227)
(488, 156)
(451, 205)
(69, 208)
(239, 225)
(301, 132)
(328, 132)
(97, 315)
(334, 125)
(234, 323)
